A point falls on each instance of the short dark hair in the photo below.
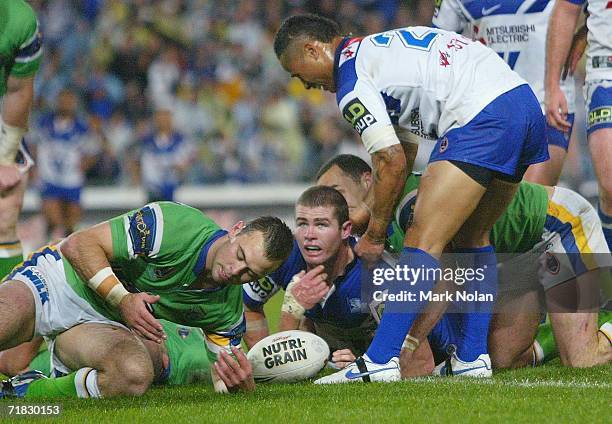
(310, 25)
(326, 196)
(278, 238)
(351, 165)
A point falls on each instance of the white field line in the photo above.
(571, 384)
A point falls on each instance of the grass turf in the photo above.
(550, 393)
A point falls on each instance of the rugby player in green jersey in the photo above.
(177, 264)
(20, 54)
(558, 218)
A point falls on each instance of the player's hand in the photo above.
(579, 44)
(9, 177)
(369, 250)
(341, 358)
(311, 287)
(236, 373)
(556, 109)
(136, 313)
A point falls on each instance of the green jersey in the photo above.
(20, 41)
(161, 249)
(186, 347)
(518, 229)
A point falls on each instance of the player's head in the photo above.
(305, 46)
(251, 251)
(67, 102)
(352, 177)
(322, 224)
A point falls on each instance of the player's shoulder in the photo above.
(18, 12)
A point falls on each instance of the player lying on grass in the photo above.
(538, 217)
(321, 279)
(178, 264)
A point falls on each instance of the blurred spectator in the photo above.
(165, 156)
(65, 150)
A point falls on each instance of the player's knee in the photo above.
(136, 373)
(576, 360)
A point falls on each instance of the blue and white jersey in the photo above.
(599, 53)
(342, 308)
(160, 158)
(62, 143)
(421, 79)
(514, 29)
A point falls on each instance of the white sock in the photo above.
(86, 383)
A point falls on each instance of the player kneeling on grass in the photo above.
(539, 220)
(178, 264)
(321, 279)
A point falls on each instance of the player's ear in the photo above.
(235, 230)
(366, 180)
(347, 229)
(310, 50)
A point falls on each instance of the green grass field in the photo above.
(550, 394)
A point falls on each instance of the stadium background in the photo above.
(256, 138)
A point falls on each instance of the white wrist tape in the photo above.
(411, 343)
(10, 139)
(108, 286)
(290, 303)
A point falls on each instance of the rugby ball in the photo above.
(288, 356)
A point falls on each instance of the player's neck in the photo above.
(336, 265)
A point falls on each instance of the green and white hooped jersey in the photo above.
(20, 41)
(518, 229)
(161, 249)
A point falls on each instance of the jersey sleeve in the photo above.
(224, 340)
(448, 16)
(578, 2)
(27, 41)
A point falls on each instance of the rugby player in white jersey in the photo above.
(516, 31)
(597, 90)
(489, 128)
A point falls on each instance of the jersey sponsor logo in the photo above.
(263, 287)
(162, 273)
(508, 34)
(488, 10)
(142, 230)
(358, 115)
(600, 115)
(416, 126)
(444, 59)
(40, 284)
(183, 332)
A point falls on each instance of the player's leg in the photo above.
(109, 361)
(547, 173)
(599, 130)
(15, 360)
(11, 252)
(17, 314)
(72, 216)
(52, 212)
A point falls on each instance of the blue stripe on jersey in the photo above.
(201, 262)
(31, 49)
(33, 260)
(538, 6)
(394, 107)
(580, 2)
(143, 226)
(345, 76)
(568, 241)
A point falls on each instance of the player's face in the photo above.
(311, 63)
(241, 259)
(354, 192)
(318, 233)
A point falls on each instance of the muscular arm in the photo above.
(558, 41)
(288, 322)
(17, 101)
(389, 175)
(257, 326)
(90, 250)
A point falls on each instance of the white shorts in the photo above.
(57, 305)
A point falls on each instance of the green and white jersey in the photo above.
(20, 41)
(161, 249)
(518, 229)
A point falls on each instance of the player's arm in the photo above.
(256, 326)
(232, 373)
(558, 41)
(448, 15)
(305, 290)
(90, 252)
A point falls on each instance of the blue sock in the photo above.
(606, 223)
(398, 317)
(476, 316)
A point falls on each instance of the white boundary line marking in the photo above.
(570, 384)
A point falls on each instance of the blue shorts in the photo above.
(599, 105)
(66, 194)
(560, 138)
(506, 136)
